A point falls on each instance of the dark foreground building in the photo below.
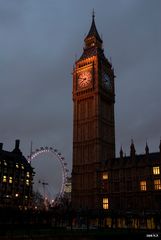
(16, 176)
(122, 187)
(130, 187)
(132, 183)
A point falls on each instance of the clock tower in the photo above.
(93, 120)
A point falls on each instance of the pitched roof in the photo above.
(93, 31)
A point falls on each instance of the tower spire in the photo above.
(146, 148)
(93, 33)
(93, 14)
(121, 152)
(31, 146)
(132, 148)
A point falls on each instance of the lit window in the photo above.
(156, 170)
(5, 163)
(105, 203)
(143, 185)
(26, 197)
(22, 166)
(16, 195)
(157, 184)
(10, 179)
(17, 166)
(4, 179)
(27, 182)
(104, 175)
(28, 174)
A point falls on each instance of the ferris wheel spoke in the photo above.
(64, 171)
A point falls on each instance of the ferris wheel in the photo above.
(59, 157)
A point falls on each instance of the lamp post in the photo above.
(44, 184)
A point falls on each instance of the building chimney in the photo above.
(1, 146)
(17, 144)
(16, 149)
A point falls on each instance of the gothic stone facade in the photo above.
(93, 125)
(131, 184)
(99, 179)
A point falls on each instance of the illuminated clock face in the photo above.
(84, 79)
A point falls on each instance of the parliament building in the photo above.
(100, 181)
